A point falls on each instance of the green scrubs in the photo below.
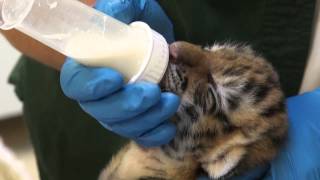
(70, 145)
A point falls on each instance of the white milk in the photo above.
(125, 54)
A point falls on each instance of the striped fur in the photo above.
(232, 117)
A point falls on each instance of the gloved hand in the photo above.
(148, 11)
(137, 111)
(300, 157)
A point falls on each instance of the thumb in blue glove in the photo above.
(137, 111)
(148, 11)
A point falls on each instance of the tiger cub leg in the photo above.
(226, 154)
(136, 163)
(223, 164)
(239, 158)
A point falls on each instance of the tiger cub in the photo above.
(232, 117)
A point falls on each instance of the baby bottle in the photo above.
(90, 37)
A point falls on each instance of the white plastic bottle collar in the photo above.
(156, 60)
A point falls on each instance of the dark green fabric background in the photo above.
(72, 146)
(277, 29)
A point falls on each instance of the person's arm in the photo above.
(34, 49)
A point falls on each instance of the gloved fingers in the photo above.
(123, 10)
(149, 12)
(86, 83)
(132, 100)
(157, 19)
(162, 111)
(161, 135)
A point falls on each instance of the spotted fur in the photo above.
(232, 117)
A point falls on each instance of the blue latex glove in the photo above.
(137, 111)
(148, 11)
(300, 157)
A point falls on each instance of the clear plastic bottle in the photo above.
(89, 36)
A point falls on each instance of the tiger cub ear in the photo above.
(206, 96)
